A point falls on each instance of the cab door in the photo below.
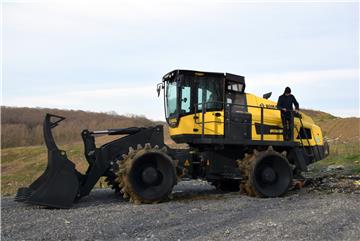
(237, 117)
(209, 116)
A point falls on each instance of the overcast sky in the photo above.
(109, 55)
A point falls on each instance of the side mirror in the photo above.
(159, 87)
(267, 95)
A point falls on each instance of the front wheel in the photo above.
(146, 175)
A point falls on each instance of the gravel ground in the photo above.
(197, 212)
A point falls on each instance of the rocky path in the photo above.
(197, 212)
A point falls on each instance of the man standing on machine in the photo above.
(285, 105)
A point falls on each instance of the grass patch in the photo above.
(20, 166)
(346, 154)
(351, 163)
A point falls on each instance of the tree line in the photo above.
(23, 126)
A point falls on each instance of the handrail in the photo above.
(306, 137)
(262, 108)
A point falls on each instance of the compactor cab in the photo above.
(206, 107)
(191, 97)
(235, 142)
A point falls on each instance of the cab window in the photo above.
(185, 99)
(234, 86)
(209, 92)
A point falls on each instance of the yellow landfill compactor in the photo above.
(235, 141)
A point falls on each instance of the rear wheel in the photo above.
(146, 175)
(267, 174)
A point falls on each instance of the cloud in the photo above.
(134, 99)
(313, 89)
(343, 112)
(316, 84)
(304, 77)
(333, 90)
(130, 91)
(100, 56)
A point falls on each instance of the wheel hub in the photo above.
(268, 175)
(150, 175)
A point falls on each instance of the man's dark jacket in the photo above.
(287, 101)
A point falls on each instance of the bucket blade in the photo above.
(57, 187)
(22, 194)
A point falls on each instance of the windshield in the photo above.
(184, 94)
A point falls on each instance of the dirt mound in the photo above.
(342, 128)
(317, 115)
(23, 126)
(336, 128)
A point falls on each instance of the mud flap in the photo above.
(58, 186)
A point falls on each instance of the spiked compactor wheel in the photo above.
(146, 175)
(111, 178)
(267, 174)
